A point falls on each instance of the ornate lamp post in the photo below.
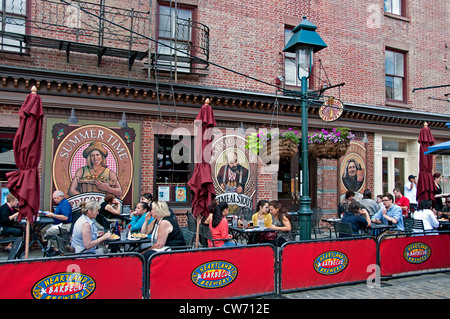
(304, 42)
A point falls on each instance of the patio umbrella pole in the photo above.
(27, 239)
(197, 232)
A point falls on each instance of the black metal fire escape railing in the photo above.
(92, 28)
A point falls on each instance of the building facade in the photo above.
(157, 63)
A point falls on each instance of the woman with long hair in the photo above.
(219, 226)
(438, 205)
(281, 223)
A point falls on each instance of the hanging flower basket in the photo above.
(330, 145)
(263, 144)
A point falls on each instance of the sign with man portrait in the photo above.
(233, 170)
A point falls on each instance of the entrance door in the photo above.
(393, 172)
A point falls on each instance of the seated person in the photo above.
(166, 231)
(111, 207)
(219, 226)
(427, 216)
(85, 236)
(281, 224)
(138, 217)
(389, 213)
(62, 217)
(353, 216)
(262, 216)
(7, 216)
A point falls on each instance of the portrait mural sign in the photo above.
(91, 160)
(353, 169)
(234, 171)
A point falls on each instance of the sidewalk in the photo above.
(427, 286)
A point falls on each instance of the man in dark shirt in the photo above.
(7, 215)
(353, 216)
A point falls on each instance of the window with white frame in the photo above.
(175, 30)
(395, 75)
(291, 76)
(396, 7)
(443, 167)
(12, 23)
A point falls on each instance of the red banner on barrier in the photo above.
(400, 255)
(213, 273)
(316, 264)
(94, 278)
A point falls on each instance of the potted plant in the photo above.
(330, 144)
(262, 143)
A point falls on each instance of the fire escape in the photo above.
(104, 31)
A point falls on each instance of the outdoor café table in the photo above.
(238, 232)
(444, 224)
(127, 245)
(376, 229)
(40, 222)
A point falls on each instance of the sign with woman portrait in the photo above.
(353, 169)
(89, 161)
(233, 171)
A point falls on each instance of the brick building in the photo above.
(100, 59)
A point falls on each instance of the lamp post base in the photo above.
(304, 218)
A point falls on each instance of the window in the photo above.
(290, 69)
(396, 7)
(395, 75)
(172, 174)
(12, 21)
(175, 29)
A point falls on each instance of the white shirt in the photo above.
(411, 193)
(429, 220)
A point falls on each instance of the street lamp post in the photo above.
(304, 42)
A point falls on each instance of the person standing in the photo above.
(410, 191)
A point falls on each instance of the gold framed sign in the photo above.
(331, 110)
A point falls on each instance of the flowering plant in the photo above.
(256, 141)
(337, 135)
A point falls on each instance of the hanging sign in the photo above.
(331, 110)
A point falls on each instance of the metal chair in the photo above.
(17, 249)
(205, 232)
(191, 222)
(408, 223)
(316, 218)
(417, 226)
(344, 230)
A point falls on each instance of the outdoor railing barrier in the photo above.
(418, 252)
(235, 272)
(112, 276)
(213, 273)
(322, 263)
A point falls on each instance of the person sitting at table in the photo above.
(147, 198)
(281, 224)
(139, 217)
(219, 226)
(426, 215)
(389, 213)
(166, 231)
(111, 206)
(8, 225)
(262, 215)
(85, 235)
(354, 217)
(62, 219)
(343, 206)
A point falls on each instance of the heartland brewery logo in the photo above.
(214, 274)
(330, 263)
(417, 253)
(66, 285)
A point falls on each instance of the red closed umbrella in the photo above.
(24, 183)
(425, 183)
(201, 183)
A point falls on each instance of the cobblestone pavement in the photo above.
(427, 286)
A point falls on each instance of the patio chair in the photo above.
(408, 223)
(344, 230)
(316, 217)
(417, 226)
(191, 222)
(17, 249)
(205, 232)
